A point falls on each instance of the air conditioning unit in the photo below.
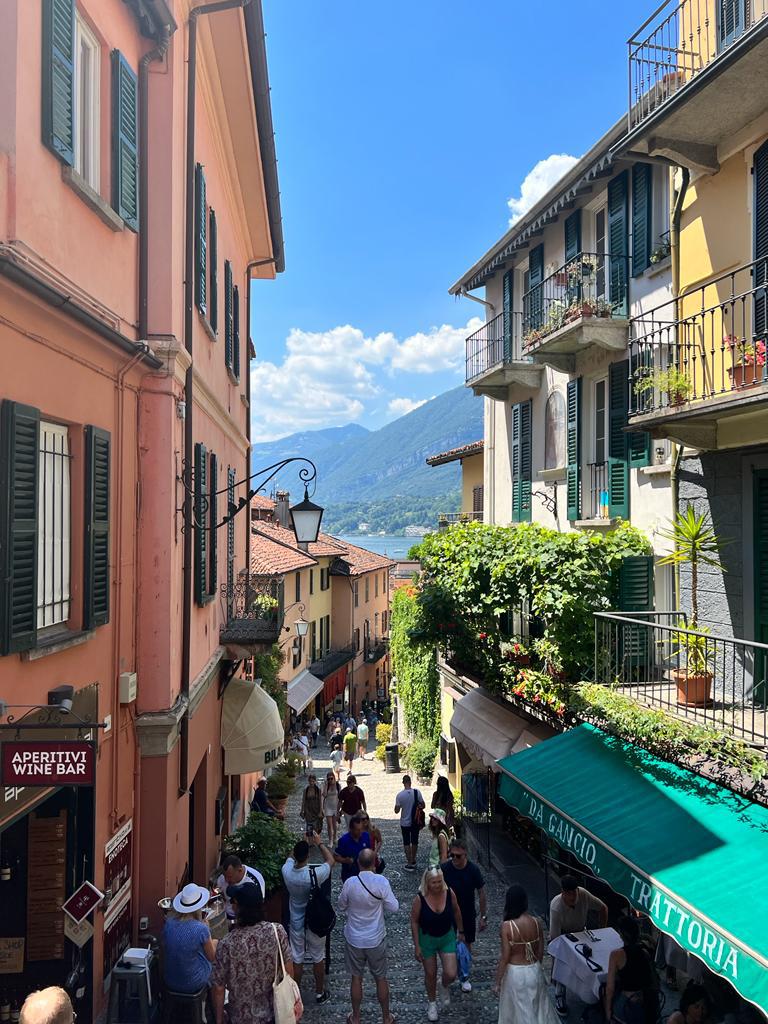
(127, 687)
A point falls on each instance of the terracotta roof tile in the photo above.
(361, 560)
(261, 501)
(325, 546)
(474, 448)
(271, 557)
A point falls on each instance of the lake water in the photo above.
(392, 546)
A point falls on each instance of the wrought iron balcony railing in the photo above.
(677, 42)
(253, 611)
(446, 519)
(712, 680)
(375, 648)
(579, 288)
(708, 344)
(497, 342)
(599, 497)
(333, 659)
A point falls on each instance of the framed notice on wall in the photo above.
(12, 955)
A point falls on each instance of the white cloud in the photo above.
(538, 182)
(327, 378)
(402, 406)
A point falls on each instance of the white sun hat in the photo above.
(191, 898)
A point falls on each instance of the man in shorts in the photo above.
(364, 899)
(406, 802)
(362, 738)
(306, 947)
(350, 743)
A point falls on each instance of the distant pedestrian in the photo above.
(362, 738)
(350, 846)
(261, 803)
(301, 746)
(48, 1006)
(350, 742)
(438, 851)
(364, 899)
(312, 805)
(331, 791)
(407, 801)
(350, 723)
(314, 729)
(351, 800)
(435, 925)
(465, 880)
(234, 872)
(336, 757)
(306, 947)
(442, 798)
(520, 984)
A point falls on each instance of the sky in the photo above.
(408, 136)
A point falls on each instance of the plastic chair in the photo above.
(191, 1005)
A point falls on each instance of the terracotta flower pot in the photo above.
(280, 803)
(745, 375)
(693, 688)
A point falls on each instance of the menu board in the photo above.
(47, 856)
(11, 955)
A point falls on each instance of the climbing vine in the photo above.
(267, 668)
(415, 666)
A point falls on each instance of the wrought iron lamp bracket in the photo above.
(549, 501)
(53, 716)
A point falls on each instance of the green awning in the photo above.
(686, 852)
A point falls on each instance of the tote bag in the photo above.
(288, 1006)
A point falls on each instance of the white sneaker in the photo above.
(432, 1013)
(445, 996)
(466, 986)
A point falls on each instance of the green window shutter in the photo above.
(639, 442)
(236, 332)
(97, 487)
(573, 446)
(526, 459)
(636, 583)
(507, 298)
(201, 535)
(230, 531)
(618, 462)
(535, 311)
(213, 284)
(125, 140)
(760, 236)
(228, 315)
(642, 217)
(514, 456)
(618, 241)
(572, 229)
(213, 518)
(58, 85)
(201, 241)
(730, 21)
(19, 485)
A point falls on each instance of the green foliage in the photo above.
(381, 752)
(695, 543)
(390, 514)
(267, 668)
(383, 732)
(266, 842)
(420, 757)
(676, 384)
(414, 665)
(280, 784)
(698, 649)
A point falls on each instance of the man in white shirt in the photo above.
(234, 872)
(364, 898)
(362, 738)
(568, 912)
(306, 947)
(314, 729)
(406, 802)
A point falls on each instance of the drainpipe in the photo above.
(476, 298)
(189, 309)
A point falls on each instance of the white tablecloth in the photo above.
(571, 969)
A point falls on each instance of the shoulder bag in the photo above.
(418, 817)
(288, 1007)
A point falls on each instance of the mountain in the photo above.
(358, 465)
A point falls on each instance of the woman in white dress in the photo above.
(520, 982)
(331, 806)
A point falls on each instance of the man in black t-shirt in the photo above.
(465, 878)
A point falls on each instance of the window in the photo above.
(327, 633)
(213, 263)
(367, 590)
(313, 641)
(356, 638)
(325, 578)
(54, 526)
(201, 242)
(206, 515)
(357, 593)
(600, 251)
(229, 315)
(554, 431)
(297, 655)
(321, 648)
(521, 447)
(311, 581)
(87, 103)
(376, 585)
(600, 420)
(376, 625)
(384, 623)
(231, 480)
(366, 638)
(298, 586)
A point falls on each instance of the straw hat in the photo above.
(191, 898)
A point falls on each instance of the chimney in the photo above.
(281, 509)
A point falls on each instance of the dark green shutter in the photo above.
(572, 229)
(730, 21)
(236, 332)
(618, 463)
(19, 473)
(213, 259)
(201, 253)
(58, 85)
(642, 217)
(618, 242)
(125, 140)
(573, 437)
(639, 442)
(535, 311)
(228, 318)
(213, 518)
(636, 595)
(230, 534)
(507, 298)
(522, 461)
(97, 479)
(514, 454)
(760, 235)
(201, 537)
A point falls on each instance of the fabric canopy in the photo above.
(490, 731)
(303, 689)
(251, 729)
(686, 852)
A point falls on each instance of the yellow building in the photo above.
(470, 456)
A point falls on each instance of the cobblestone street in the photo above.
(408, 998)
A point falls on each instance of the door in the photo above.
(600, 254)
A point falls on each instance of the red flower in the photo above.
(483, 636)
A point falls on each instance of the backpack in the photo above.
(418, 817)
(319, 917)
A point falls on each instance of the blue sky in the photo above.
(402, 132)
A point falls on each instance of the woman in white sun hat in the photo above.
(189, 950)
(438, 851)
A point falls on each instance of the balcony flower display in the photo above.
(747, 361)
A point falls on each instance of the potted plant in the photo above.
(747, 362)
(420, 758)
(673, 382)
(603, 308)
(516, 653)
(280, 785)
(264, 843)
(695, 544)
(551, 660)
(662, 250)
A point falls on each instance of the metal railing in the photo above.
(677, 42)
(334, 658)
(446, 519)
(717, 681)
(497, 342)
(375, 648)
(598, 490)
(253, 609)
(579, 288)
(710, 342)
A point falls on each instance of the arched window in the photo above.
(554, 431)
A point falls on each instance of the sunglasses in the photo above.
(456, 856)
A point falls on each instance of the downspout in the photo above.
(476, 298)
(189, 309)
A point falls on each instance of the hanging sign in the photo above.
(11, 955)
(82, 901)
(48, 763)
(78, 933)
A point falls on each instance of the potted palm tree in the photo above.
(695, 544)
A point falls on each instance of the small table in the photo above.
(571, 969)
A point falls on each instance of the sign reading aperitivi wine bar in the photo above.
(48, 763)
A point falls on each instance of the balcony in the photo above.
(696, 76)
(595, 498)
(446, 519)
(494, 359)
(375, 648)
(253, 616)
(705, 679)
(568, 311)
(333, 659)
(699, 364)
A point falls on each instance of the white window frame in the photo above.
(54, 531)
(87, 103)
(595, 385)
